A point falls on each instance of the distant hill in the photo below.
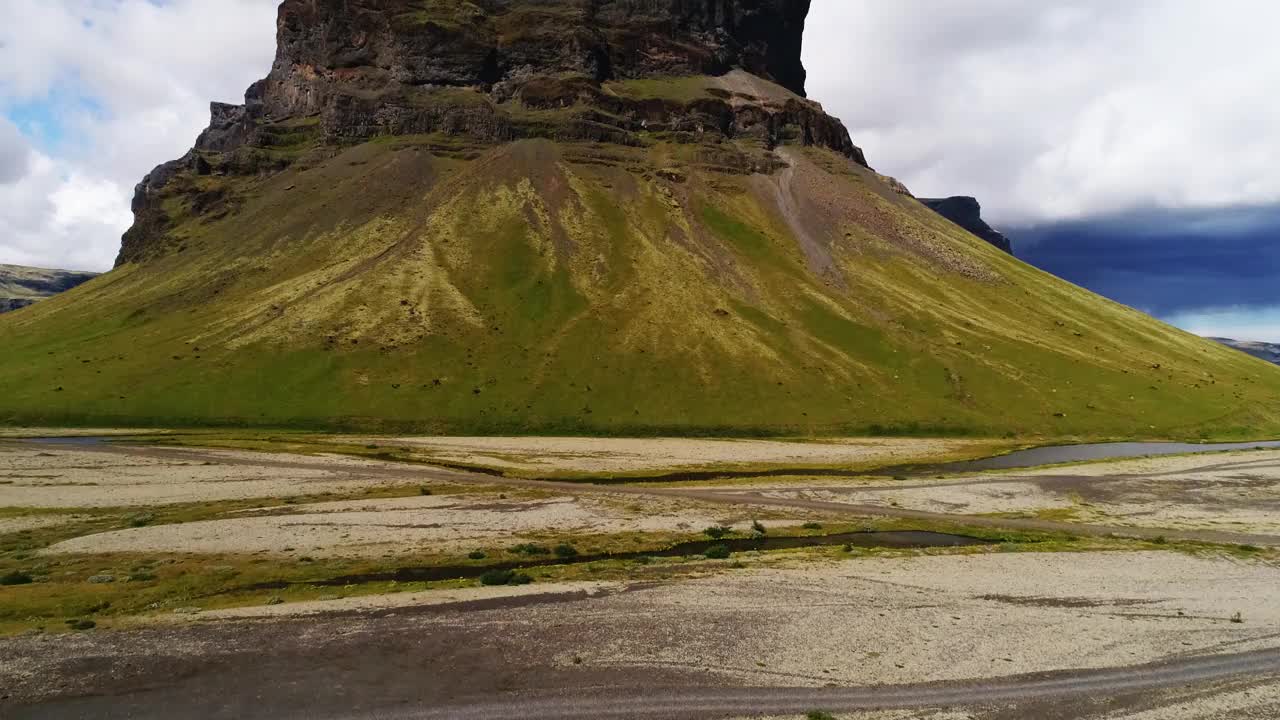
(555, 216)
(21, 286)
(967, 213)
(1267, 351)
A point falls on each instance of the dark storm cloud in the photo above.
(1166, 262)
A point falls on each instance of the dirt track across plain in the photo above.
(707, 703)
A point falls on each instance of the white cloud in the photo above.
(129, 82)
(15, 153)
(49, 218)
(1058, 109)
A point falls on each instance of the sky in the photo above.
(1126, 146)
(96, 93)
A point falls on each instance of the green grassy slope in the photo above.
(565, 288)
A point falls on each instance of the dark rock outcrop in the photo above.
(22, 286)
(487, 42)
(627, 72)
(967, 213)
(1265, 351)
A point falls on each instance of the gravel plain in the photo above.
(863, 622)
(919, 619)
(808, 620)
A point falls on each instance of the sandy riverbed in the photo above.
(407, 600)
(448, 523)
(920, 619)
(874, 621)
(637, 455)
(854, 622)
(863, 621)
(68, 477)
(1237, 491)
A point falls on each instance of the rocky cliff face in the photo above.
(626, 72)
(22, 286)
(487, 42)
(1265, 351)
(967, 213)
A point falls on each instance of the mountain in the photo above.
(1265, 351)
(22, 286)
(561, 216)
(967, 213)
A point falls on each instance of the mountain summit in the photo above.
(613, 71)
(587, 216)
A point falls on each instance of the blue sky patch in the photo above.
(50, 123)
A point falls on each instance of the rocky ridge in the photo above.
(622, 72)
(967, 213)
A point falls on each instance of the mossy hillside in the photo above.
(395, 286)
(674, 88)
(443, 12)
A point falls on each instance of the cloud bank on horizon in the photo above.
(1211, 271)
(1055, 114)
(1126, 146)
